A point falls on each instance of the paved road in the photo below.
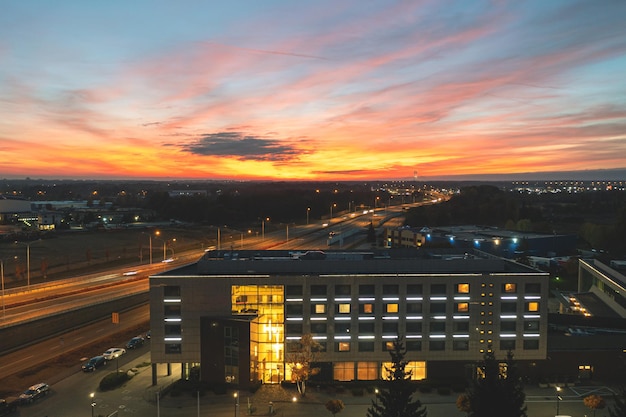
(71, 398)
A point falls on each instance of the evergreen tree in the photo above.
(395, 399)
(618, 408)
(497, 390)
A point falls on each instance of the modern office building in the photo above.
(238, 315)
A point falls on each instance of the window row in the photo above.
(297, 309)
(411, 289)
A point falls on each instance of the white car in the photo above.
(113, 353)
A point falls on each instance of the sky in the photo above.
(310, 90)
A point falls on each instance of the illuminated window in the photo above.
(367, 308)
(510, 288)
(343, 371)
(343, 308)
(392, 308)
(462, 288)
(532, 306)
(416, 368)
(320, 308)
(343, 347)
(462, 307)
(367, 371)
(387, 345)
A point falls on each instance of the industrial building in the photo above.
(235, 316)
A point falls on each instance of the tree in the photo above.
(300, 361)
(595, 402)
(334, 406)
(618, 409)
(395, 399)
(497, 389)
(463, 403)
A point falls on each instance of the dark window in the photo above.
(321, 346)
(318, 328)
(412, 308)
(414, 345)
(507, 326)
(414, 289)
(437, 345)
(342, 290)
(366, 327)
(508, 307)
(318, 290)
(173, 348)
(413, 327)
(460, 345)
(171, 291)
(172, 329)
(461, 326)
(366, 346)
(438, 308)
(294, 328)
(438, 289)
(342, 328)
(390, 327)
(293, 290)
(171, 310)
(507, 344)
(531, 344)
(367, 290)
(293, 309)
(531, 325)
(391, 289)
(438, 326)
(533, 288)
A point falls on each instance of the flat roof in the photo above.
(338, 262)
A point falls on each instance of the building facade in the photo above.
(237, 316)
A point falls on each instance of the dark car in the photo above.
(135, 342)
(94, 363)
(34, 392)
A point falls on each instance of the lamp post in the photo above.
(27, 262)
(331, 211)
(263, 227)
(93, 403)
(308, 210)
(558, 399)
(236, 395)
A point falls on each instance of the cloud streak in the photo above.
(309, 91)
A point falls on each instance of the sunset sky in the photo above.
(310, 90)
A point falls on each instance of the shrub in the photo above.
(113, 380)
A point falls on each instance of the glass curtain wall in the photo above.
(267, 330)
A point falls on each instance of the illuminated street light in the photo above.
(558, 399)
(308, 210)
(236, 395)
(331, 211)
(93, 403)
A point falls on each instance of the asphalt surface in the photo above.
(71, 398)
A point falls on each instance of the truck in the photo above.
(8, 406)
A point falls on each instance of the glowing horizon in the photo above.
(322, 91)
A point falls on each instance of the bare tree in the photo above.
(300, 361)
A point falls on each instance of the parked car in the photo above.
(113, 353)
(94, 363)
(34, 392)
(135, 342)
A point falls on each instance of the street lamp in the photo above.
(27, 261)
(236, 395)
(93, 403)
(308, 210)
(558, 399)
(263, 227)
(331, 211)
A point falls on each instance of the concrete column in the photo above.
(154, 374)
